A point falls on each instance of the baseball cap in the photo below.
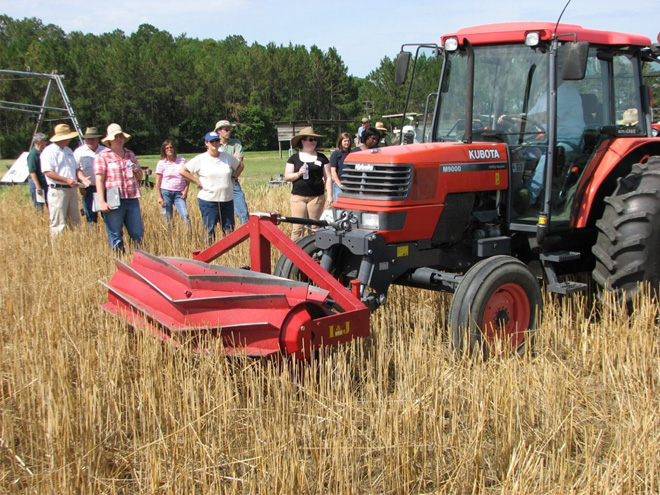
(212, 136)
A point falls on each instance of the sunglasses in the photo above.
(310, 139)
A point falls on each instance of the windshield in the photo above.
(508, 80)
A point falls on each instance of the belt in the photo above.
(60, 186)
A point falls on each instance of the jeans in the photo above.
(535, 184)
(240, 205)
(88, 203)
(128, 214)
(174, 199)
(33, 194)
(335, 191)
(216, 212)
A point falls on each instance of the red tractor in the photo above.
(537, 161)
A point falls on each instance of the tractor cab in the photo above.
(553, 94)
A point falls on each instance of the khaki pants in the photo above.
(63, 209)
(305, 207)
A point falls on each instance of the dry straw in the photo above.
(86, 406)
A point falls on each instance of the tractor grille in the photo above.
(378, 181)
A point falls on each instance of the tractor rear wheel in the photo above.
(285, 267)
(627, 248)
(498, 299)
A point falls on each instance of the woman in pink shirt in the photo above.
(171, 187)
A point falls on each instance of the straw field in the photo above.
(87, 406)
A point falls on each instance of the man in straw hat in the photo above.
(63, 175)
(383, 141)
(85, 156)
(118, 172)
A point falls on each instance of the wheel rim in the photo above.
(506, 316)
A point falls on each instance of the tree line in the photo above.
(158, 86)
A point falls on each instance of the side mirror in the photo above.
(655, 48)
(574, 65)
(402, 63)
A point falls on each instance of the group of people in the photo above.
(108, 176)
(57, 173)
(384, 138)
(315, 178)
(216, 173)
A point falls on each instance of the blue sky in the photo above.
(362, 32)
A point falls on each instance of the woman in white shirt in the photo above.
(212, 172)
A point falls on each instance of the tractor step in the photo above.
(548, 260)
(559, 256)
(566, 288)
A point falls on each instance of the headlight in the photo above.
(370, 221)
(451, 44)
(532, 38)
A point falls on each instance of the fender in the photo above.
(606, 159)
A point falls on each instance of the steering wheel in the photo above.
(512, 124)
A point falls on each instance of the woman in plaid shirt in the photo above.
(117, 167)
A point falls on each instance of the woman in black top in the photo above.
(307, 170)
(337, 164)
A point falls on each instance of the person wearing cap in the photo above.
(37, 180)
(117, 168)
(64, 177)
(380, 127)
(234, 147)
(171, 186)
(85, 156)
(212, 171)
(363, 125)
(307, 170)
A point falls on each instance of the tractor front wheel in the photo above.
(498, 300)
(285, 267)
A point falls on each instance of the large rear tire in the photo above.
(498, 299)
(627, 248)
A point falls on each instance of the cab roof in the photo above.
(514, 32)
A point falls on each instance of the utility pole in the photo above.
(368, 108)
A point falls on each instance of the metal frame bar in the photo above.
(53, 77)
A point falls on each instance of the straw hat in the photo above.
(113, 130)
(305, 132)
(91, 133)
(62, 133)
(222, 123)
(381, 127)
(630, 117)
